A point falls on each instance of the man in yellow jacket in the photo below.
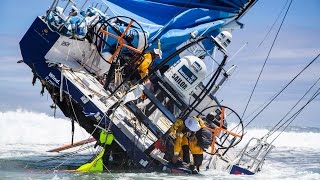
(143, 68)
(144, 65)
(186, 141)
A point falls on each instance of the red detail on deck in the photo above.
(159, 145)
(68, 146)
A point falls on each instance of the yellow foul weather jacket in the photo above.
(182, 138)
(143, 69)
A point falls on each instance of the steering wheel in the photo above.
(229, 136)
(124, 32)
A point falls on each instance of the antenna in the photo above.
(240, 49)
(159, 45)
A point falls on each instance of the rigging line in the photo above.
(66, 81)
(214, 61)
(236, 53)
(265, 61)
(210, 56)
(91, 135)
(234, 72)
(293, 117)
(254, 111)
(274, 23)
(296, 113)
(272, 131)
(282, 90)
(311, 98)
(65, 154)
(105, 145)
(254, 51)
(82, 64)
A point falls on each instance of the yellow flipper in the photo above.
(95, 165)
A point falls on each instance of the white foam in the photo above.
(23, 133)
(39, 132)
(304, 140)
(24, 127)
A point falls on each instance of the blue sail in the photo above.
(172, 21)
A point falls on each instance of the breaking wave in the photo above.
(306, 139)
(24, 133)
(25, 136)
(25, 127)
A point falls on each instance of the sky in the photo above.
(297, 44)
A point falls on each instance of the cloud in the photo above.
(9, 44)
(283, 54)
(273, 76)
(293, 42)
(12, 72)
(10, 62)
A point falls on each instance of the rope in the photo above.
(79, 149)
(70, 101)
(272, 131)
(65, 154)
(55, 168)
(104, 147)
(77, 78)
(265, 61)
(294, 116)
(281, 91)
(82, 64)
(265, 37)
(209, 56)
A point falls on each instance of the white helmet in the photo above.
(158, 52)
(223, 39)
(192, 124)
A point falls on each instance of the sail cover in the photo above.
(172, 21)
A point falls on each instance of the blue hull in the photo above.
(237, 170)
(35, 44)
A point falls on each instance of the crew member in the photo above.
(147, 60)
(143, 68)
(186, 141)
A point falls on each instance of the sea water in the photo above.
(26, 136)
